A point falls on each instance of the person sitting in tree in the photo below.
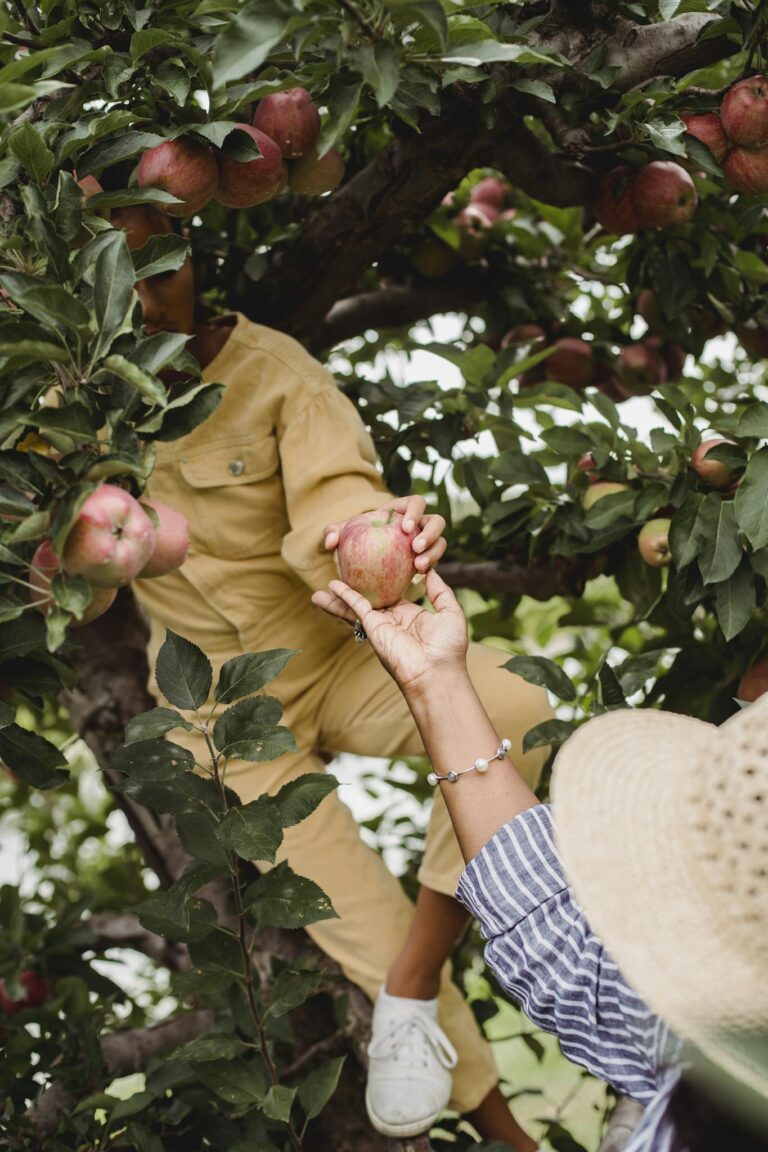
(266, 483)
(630, 917)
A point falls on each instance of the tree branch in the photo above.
(123, 930)
(673, 48)
(397, 305)
(562, 577)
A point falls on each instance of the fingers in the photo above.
(441, 597)
(429, 544)
(359, 606)
(334, 606)
(331, 536)
(411, 509)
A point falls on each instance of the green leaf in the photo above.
(47, 303)
(32, 758)
(149, 386)
(198, 832)
(116, 148)
(177, 912)
(113, 297)
(7, 714)
(550, 733)
(211, 1046)
(15, 96)
(160, 254)
(271, 743)
(493, 52)
(291, 989)
(518, 468)
(720, 551)
(247, 673)
(735, 601)
(183, 672)
(379, 63)
(278, 1102)
(540, 670)
(248, 39)
(568, 441)
(754, 421)
(611, 692)
(217, 132)
(31, 151)
(685, 531)
(536, 88)
(152, 760)
(343, 103)
(125, 197)
(156, 722)
(751, 500)
(300, 797)
(155, 352)
(319, 1086)
(246, 720)
(253, 831)
(608, 509)
(284, 900)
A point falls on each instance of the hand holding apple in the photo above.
(428, 544)
(414, 645)
(376, 556)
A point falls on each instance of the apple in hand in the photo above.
(111, 539)
(37, 990)
(171, 540)
(653, 542)
(376, 556)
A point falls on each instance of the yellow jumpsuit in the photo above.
(283, 455)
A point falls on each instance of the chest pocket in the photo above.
(237, 498)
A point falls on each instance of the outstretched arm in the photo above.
(425, 653)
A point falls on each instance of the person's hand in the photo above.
(429, 545)
(416, 646)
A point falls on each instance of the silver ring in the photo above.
(359, 632)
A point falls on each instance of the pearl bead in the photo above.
(452, 777)
(481, 765)
(506, 744)
(432, 779)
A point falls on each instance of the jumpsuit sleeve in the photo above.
(330, 473)
(544, 954)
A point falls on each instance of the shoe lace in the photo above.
(415, 1040)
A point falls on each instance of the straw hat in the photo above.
(662, 825)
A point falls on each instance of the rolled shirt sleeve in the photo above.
(545, 956)
(329, 472)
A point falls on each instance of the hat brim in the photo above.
(617, 790)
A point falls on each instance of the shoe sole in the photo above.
(414, 1128)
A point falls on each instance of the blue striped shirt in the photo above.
(545, 956)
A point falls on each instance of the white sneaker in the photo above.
(409, 1069)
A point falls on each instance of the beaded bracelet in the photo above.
(480, 765)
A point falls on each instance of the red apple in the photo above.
(291, 119)
(89, 186)
(184, 167)
(37, 991)
(44, 566)
(713, 472)
(314, 175)
(746, 170)
(571, 363)
(433, 259)
(376, 556)
(707, 127)
(111, 539)
(615, 204)
(754, 682)
(473, 223)
(647, 306)
(641, 368)
(490, 192)
(171, 540)
(753, 340)
(664, 194)
(245, 183)
(596, 492)
(744, 112)
(653, 543)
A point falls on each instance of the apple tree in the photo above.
(531, 242)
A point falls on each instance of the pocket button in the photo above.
(236, 467)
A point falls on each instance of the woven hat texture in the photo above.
(661, 822)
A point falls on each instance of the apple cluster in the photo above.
(653, 537)
(487, 209)
(114, 539)
(656, 195)
(285, 128)
(737, 137)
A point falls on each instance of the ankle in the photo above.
(412, 985)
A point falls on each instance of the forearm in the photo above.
(456, 730)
